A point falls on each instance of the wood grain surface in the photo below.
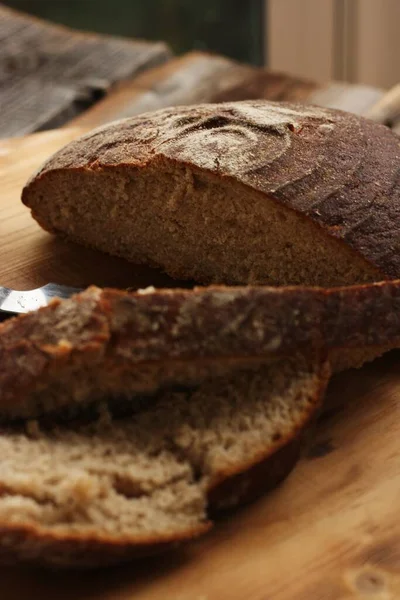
(49, 73)
(330, 532)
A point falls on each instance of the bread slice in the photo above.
(102, 492)
(110, 343)
(248, 192)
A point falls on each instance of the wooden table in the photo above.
(330, 532)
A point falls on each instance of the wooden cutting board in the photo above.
(331, 531)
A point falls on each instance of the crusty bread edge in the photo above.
(237, 486)
(344, 321)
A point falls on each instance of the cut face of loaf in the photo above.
(113, 344)
(248, 192)
(102, 492)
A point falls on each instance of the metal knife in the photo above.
(13, 302)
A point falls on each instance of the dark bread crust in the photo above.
(338, 170)
(245, 487)
(170, 333)
(240, 485)
(31, 545)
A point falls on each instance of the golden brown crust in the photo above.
(168, 332)
(336, 169)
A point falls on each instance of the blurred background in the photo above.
(349, 40)
(336, 53)
(230, 27)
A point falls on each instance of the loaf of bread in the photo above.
(115, 344)
(158, 408)
(248, 192)
(86, 494)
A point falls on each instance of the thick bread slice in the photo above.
(100, 493)
(109, 343)
(236, 193)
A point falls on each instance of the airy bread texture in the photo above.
(248, 192)
(110, 343)
(101, 492)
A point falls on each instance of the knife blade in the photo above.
(14, 302)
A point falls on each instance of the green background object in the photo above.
(230, 27)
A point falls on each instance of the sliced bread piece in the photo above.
(248, 192)
(112, 343)
(99, 493)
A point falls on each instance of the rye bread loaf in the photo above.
(248, 192)
(115, 344)
(102, 492)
